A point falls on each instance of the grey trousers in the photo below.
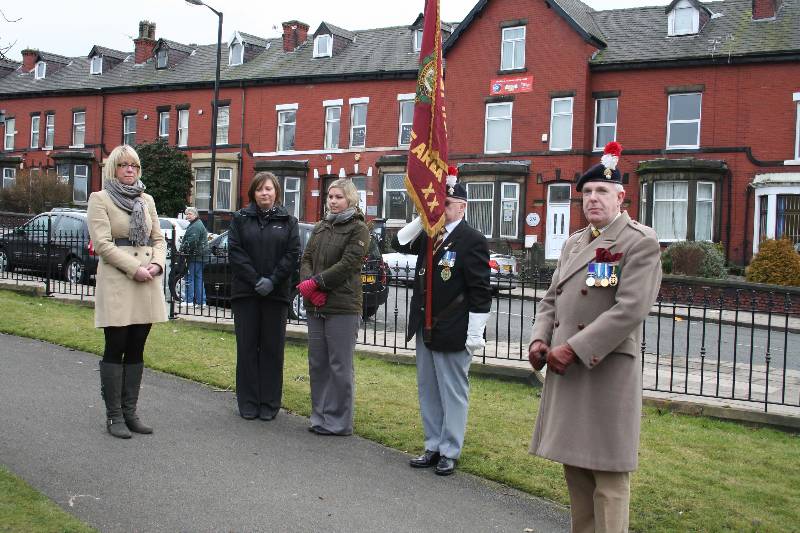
(443, 388)
(331, 341)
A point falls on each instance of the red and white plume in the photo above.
(611, 154)
(452, 176)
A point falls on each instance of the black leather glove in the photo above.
(264, 286)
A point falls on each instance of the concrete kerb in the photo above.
(296, 334)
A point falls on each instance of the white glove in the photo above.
(410, 231)
(475, 342)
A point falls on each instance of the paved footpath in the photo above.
(206, 469)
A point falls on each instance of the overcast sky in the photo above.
(72, 27)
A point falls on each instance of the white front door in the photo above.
(558, 204)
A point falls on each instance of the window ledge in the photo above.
(791, 162)
(77, 146)
(520, 70)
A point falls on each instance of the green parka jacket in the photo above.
(333, 256)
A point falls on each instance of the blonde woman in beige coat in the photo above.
(124, 228)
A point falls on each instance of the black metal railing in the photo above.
(722, 342)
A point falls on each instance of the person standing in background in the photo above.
(124, 227)
(194, 247)
(263, 246)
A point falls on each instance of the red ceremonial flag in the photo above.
(427, 154)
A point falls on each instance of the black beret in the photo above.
(457, 191)
(599, 173)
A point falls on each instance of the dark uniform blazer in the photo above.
(469, 276)
(590, 416)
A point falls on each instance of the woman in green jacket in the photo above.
(331, 286)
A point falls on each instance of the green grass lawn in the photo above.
(696, 474)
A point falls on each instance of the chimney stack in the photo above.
(146, 42)
(294, 34)
(765, 9)
(29, 59)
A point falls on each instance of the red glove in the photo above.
(560, 358)
(318, 298)
(307, 287)
(537, 354)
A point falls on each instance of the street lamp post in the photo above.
(214, 113)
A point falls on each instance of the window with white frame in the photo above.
(9, 177)
(796, 98)
(49, 130)
(397, 206)
(561, 124)
(223, 189)
(683, 20)
(509, 210)
(96, 65)
(513, 48)
(406, 121)
(287, 125)
(418, 39)
(323, 46)
(497, 137)
(643, 204)
(223, 120)
(358, 125)
(40, 70)
(10, 131)
(291, 196)
(202, 188)
(670, 207)
(35, 122)
(683, 124)
(704, 212)
(129, 130)
(161, 58)
(183, 127)
(236, 54)
(163, 125)
(605, 122)
(78, 129)
(480, 203)
(333, 119)
(80, 184)
(63, 173)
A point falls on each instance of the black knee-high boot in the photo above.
(111, 377)
(130, 397)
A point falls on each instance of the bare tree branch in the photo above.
(7, 19)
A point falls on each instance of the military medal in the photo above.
(590, 277)
(446, 274)
(613, 279)
(604, 276)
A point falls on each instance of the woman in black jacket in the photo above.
(264, 247)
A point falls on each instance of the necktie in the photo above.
(595, 234)
(439, 239)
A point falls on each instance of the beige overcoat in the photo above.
(119, 299)
(590, 416)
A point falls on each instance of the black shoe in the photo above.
(267, 416)
(445, 466)
(319, 430)
(248, 416)
(426, 460)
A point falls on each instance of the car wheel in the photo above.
(5, 262)
(298, 309)
(74, 271)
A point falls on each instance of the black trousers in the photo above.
(260, 326)
(125, 344)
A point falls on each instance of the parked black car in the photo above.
(56, 243)
(217, 275)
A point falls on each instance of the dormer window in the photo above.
(236, 54)
(323, 45)
(161, 58)
(40, 70)
(96, 65)
(417, 40)
(684, 19)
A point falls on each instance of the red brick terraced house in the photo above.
(703, 96)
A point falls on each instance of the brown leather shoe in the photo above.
(445, 466)
(426, 460)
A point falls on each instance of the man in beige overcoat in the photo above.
(588, 333)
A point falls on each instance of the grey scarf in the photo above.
(129, 199)
(342, 216)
